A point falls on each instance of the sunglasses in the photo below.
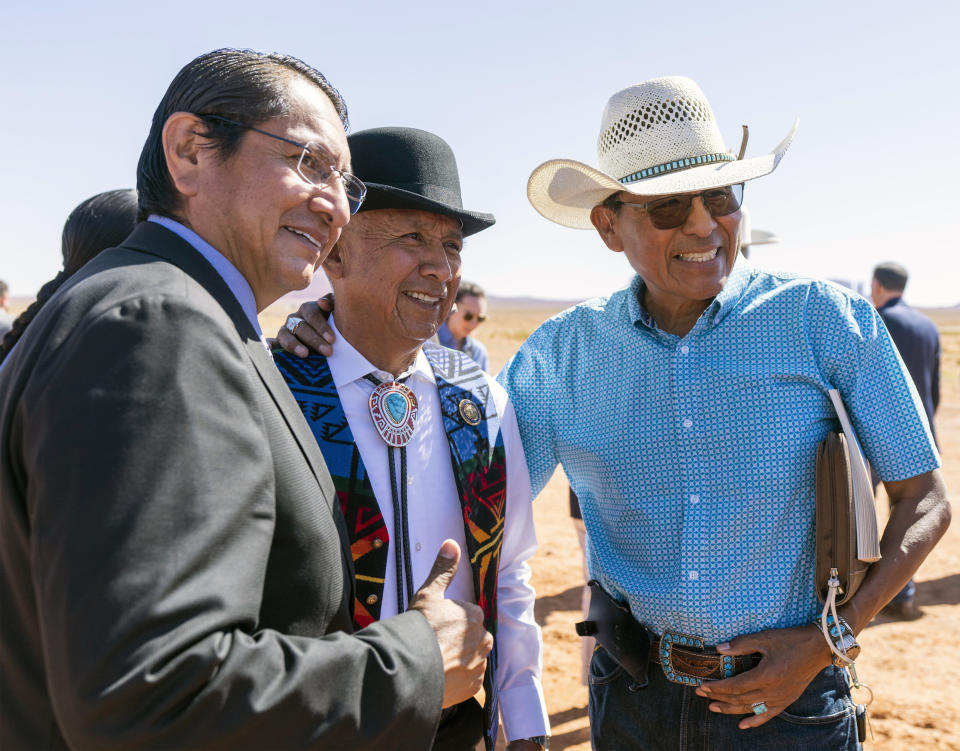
(468, 316)
(671, 212)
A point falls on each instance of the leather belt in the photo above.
(685, 660)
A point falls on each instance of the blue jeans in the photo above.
(667, 716)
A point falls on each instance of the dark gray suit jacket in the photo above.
(918, 341)
(172, 565)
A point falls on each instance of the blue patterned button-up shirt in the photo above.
(694, 456)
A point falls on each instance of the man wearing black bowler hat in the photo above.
(422, 444)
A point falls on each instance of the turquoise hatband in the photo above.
(692, 161)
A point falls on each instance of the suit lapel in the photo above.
(152, 238)
(293, 416)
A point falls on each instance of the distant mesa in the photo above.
(527, 303)
(320, 287)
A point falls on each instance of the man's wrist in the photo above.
(845, 649)
(825, 656)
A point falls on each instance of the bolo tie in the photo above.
(393, 408)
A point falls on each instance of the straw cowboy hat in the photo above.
(656, 138)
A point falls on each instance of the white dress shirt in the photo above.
(434, 515)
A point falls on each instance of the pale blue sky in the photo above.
(512, 84)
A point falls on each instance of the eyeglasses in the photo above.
(671, 212)
(314, 165)
(469, 316)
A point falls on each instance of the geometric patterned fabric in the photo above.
(479, 469)
(693, 457)
(313, 387)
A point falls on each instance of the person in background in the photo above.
(918, 342)
(101, 221)
(470, 312)
(6, 320)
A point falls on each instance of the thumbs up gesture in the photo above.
(464, 642)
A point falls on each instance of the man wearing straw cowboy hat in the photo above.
(686, 410)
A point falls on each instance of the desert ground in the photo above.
(912, 667)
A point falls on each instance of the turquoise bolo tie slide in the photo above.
(393, 407)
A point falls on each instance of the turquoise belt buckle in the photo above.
(668, 641)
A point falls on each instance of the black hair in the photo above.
(102, 221)
(242, 85)
(469, 289)
(891, 276)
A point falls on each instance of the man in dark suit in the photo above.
(918, 342)
(915, 335)
(173, 570)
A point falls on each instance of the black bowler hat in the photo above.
(408, 168)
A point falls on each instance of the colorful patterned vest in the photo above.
(477, 455)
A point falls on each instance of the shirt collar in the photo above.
(737, 282)
(635, 308)
(891, 302)
(234, 279)
(347, 364)
(445, 337)
(719, 307)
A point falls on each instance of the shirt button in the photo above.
(377, 542)
(685, 349)
(687, 422)
(694, 499)
(417, 547)
(372, 599)
(694, 575)
(409, 481)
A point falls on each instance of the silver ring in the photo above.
(292, 323)
(759, 707)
